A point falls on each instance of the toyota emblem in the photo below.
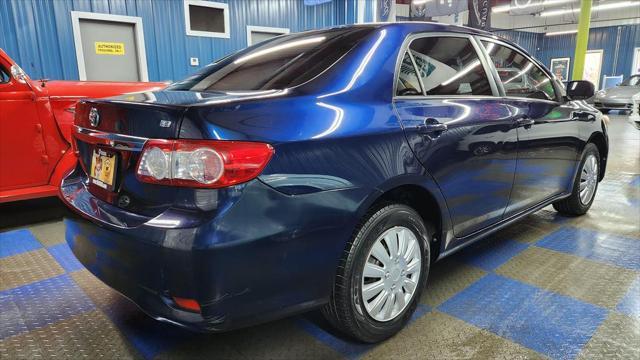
(94, 117)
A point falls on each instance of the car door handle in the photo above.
(525, 121)
(432, 126)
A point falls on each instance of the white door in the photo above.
(592, 66)
(636, 62)
(109, 50)
(256, 34)
(109, 47)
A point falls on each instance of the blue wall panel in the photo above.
(38, 34)
(528, 40)
(604, 38)
(369, 10)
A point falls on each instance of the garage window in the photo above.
(206, 18)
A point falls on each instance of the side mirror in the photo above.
(580, 90)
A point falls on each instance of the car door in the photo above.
(22, 148)
(548, 132)
(458, 127)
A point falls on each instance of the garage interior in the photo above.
(546, 287)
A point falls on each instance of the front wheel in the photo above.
(584, 186)
(381, 275)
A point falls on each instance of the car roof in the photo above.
(409, 27)
(425, 26)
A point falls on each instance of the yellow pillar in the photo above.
(582, 39)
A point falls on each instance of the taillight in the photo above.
(187, 304)
(202, 163)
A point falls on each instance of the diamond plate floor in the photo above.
(548, 287)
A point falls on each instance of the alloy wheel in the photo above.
(588, 179)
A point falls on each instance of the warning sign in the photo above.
(109, 48)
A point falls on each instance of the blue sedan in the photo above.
(325, 169)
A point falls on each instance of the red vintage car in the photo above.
(35, 128)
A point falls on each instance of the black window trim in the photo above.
(497, 79)
(479, 52)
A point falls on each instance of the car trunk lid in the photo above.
(109, 137)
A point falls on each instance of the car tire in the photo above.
(385, 226)
(588, 174)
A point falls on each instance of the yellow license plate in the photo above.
(103, 168)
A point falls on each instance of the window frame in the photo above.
(479, 52)
(415, 69)
(210, 4)
(529, 58)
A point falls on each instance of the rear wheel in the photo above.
(584, 186)
(381, 275)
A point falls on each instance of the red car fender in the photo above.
(55, 106)
(66, 164)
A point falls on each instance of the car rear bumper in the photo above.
(132, 266)
(612, 104)
(247, 264)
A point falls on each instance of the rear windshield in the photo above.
(275, 64)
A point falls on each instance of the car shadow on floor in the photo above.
(29, 212)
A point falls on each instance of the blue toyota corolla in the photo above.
(325, 169)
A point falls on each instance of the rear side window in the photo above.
(449, 66)
(408, 83)
(4, 76)
(520, 77)
(282, 62)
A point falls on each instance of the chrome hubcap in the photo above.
(391, 272)
(588, 179)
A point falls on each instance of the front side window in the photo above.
(276, 64)
(449, 66)
(408, 83)
(520, 77)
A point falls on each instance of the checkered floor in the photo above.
(547, 287)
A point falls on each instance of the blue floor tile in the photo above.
(421, 310)
(490, 255)
(604, 247)
(552, 324)
(149, 336)
(16, 242)
(63, 255)
(40, 304)
(630, 303)
(348, 349)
